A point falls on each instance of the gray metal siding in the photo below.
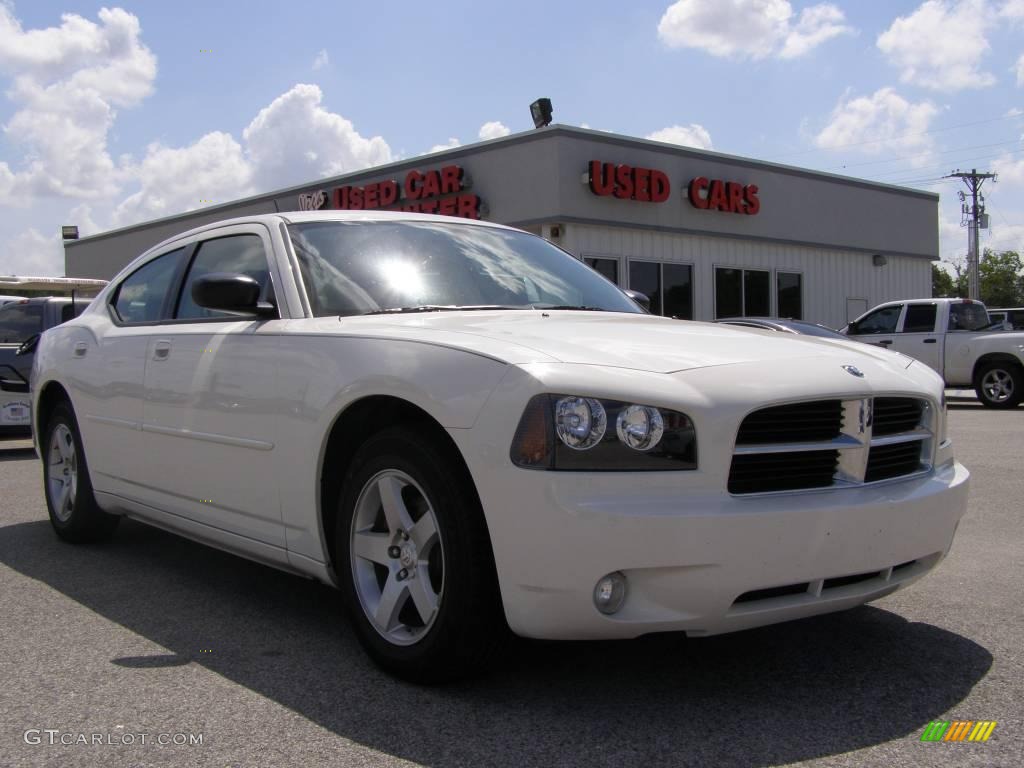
(829, 275)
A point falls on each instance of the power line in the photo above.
(924, 154)
(900, 136)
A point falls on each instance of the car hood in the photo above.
(639, 342)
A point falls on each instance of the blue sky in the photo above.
(123, 113)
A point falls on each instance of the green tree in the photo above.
(999, 276)
(942, 283)
(946, 285)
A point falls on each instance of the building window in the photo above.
(678, 290)
(790, 295)
(668, 286)
(607, 267)
(742, 292)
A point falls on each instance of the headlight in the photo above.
(580, 422)
(569, 432)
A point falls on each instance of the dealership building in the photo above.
(703, 234)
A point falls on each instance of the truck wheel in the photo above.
(414, 559)
(999, 385)
(74, 514)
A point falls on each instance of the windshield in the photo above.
(968, 317)
(364, 267)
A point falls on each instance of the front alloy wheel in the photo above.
(397, 557)
(413, 558)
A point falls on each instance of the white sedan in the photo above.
(467, 430)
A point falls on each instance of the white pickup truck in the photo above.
(956, 337)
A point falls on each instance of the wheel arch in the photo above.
(51, 393)
(994, 357)
(365, 417)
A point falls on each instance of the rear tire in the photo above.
(414, 560)
(999, 385)
(74, 514)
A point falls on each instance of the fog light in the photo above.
(610, 593)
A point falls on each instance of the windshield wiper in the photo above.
(438, 308)
(569, 306)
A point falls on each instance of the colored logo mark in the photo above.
(958, 730)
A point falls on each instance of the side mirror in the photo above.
(28, 345)
(850, 329)
(640, 298)
(231, 292)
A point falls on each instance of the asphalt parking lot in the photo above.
(152, 635)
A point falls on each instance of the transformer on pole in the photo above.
(974, 217)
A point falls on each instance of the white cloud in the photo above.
(173, 180)
(67, 82)
(321, 60)
(1012, 9)
(295, 139)
(940, 45)
(692, 135)
(452, 143)
(493, 130)
(1010, 171)
(32, 253)
(752, 29)
(291, 141)
(884, 120)
(1020, 70)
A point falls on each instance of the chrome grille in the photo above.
(830, 443)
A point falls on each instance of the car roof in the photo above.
(299, 217)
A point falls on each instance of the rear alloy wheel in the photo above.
(999, 385)
(74, 514)
(414, 560)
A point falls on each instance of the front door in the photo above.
(210, 416)
(917, 337)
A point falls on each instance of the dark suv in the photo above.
(21, 323)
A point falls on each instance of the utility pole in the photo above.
(973, 215)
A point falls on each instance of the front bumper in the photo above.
(688, 555)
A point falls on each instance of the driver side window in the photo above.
(880, 321)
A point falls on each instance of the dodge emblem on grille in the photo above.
(854, 371)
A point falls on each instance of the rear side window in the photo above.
(240, 254)
(880, 321)
(142, 295)
(967, 317)
(920, 318)
(20, 321)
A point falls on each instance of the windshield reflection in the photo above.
(360, 267)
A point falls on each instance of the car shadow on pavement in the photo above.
(775, 695)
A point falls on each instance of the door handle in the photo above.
(929, 341)
(80, 349)
(162, 350)
(885, 342)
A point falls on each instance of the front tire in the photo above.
(414, 559)
(74, 513)
(999, 385)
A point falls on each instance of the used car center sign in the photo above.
(650, 185)
(441, 191)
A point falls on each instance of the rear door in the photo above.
(104, 369)
(210, 416)
(916, 335)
